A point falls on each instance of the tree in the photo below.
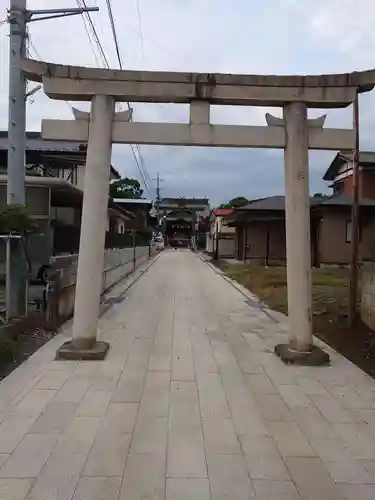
(125, 188)
(240, 201)
(321, 195)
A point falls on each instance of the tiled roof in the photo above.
(277, 203)
(36, 143)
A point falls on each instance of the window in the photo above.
(348, 231)
(338, 188)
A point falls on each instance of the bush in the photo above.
(15, 219)
(8, 349)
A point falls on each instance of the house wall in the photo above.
(256, 241)
(333, 245)
(366, 181)
(227, 246)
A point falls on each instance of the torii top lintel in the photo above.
(82, 83)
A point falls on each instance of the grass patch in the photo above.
(329, 286)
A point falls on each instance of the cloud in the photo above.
(246, 36)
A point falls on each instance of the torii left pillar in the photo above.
(84, 344)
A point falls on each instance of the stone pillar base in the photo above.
(69, 351)
(315, 357)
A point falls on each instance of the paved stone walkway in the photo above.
(190, 404)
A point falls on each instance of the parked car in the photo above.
(159, 243)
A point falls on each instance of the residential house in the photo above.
(260, 225)
(140, 209)
(64, 162)
(221, 238)
(54, 182)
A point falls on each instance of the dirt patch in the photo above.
(20, 339)
(330, 292)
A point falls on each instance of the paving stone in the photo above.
(144, 478)
(310, 386)
(346, 470)
(108, 456)
(3, 458)
(184, 414)
(29, 457)
(259, 382)
(331, 409)
(294, 396)
(12, 430)
(220, 436)
(14, 489)
(248, 420)
(263, 458)
(73, 390)
(272, 407)
(290, 440)
(275, 490)
(34, 403)
(312, 479)
(360, 443)
(119, 419)
(156, 394)
(129, 388)
(182, 365)
(186, 455)
(58, 479)
(161, 359)
(228, 478)
(187, 489)
(212, 398)
(150, 436)
(52, 379)
(94, 403)
(358, 492)
(79, 436)
(98, 488)
(55, 418)
(312, 423)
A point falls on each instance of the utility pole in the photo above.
(353, 283)
(158, 196)
(157, 202)
(16, 279)
(18, 18)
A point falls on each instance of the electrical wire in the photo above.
(141, 167)
(83, 5)
(140, 28)
(113, 27)
(139, 160)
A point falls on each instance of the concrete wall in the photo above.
(118, 263)
(368, 294)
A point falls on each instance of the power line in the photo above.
(140, 28)
(142, 167)
(83, 4)
(113, 27)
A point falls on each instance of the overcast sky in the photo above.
(242, 36)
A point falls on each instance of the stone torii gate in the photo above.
(295, 133)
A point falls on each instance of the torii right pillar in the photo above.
(300, 349)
